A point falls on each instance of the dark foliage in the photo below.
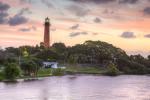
(90, 52)
(11, 71)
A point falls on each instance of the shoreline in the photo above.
(85, 74)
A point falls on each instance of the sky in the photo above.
(123, 23)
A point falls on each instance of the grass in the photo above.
(84, 70)
(70, 69)
(50, 72)
(58, 72)
(1, 76)
(44, 72)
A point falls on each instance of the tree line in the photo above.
(30, 58)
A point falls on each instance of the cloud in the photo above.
(4, 7)
(17, 20)
(97, 20)
(34, 28)
(108, 11)
(3, 17)
(74, 34)
(24, 11)
(147, 35)
(3, 13)
(78, 10)
(95, 33)
(27, 1)
(147, 10)
(53, 29)
(28, 29)
(25, 29)
(128, 1)
(106, 1)
(47, 3)
(128, 35)
(74, 27)
(94, 1)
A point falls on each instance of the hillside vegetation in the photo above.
(96, 54)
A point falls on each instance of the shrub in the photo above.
(131, 67)
(112, 70)
(58, 72)
(11, 71)
(1, 76)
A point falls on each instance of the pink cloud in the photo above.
(15, 3)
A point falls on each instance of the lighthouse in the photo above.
(47, 33)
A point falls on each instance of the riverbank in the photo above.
(71, 69)
(85, 70)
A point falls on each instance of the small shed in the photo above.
(50, 65)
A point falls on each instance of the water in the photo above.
(79, 87)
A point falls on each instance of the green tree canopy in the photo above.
(11, 71)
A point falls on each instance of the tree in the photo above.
(137, 58)
(131, 67)
(47, 55)
(11, 71)
(148, 57)
(112, 70)
(13, 50)
(30, 65)
(59, 47)
(25, 53)
(61, 50)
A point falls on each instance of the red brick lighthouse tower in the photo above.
(47, 33)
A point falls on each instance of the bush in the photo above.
(112, 70)
(131, 67)
(11, 71)
(1, 76)
(58, 72)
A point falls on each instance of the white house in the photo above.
(50, 65)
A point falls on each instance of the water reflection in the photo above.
(44, 94)
(79, 88)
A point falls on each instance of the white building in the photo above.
(50, 65)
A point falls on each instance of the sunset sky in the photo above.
(123, 23)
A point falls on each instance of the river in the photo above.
(79, 87)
